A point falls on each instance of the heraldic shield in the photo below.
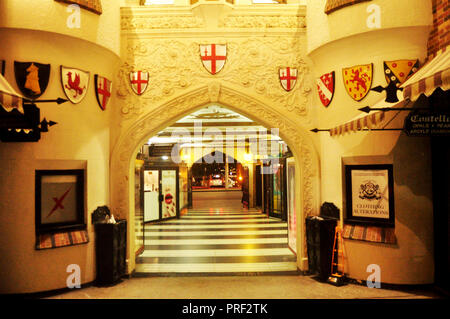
(396, 72)
(400, 70)
(103, 88)
(75, 83)
(358, 80)
(32, 78)
(213, 57)
(139, 81)
(288, 78)
(325, 88)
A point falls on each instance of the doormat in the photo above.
(370, 233)
(48, 241)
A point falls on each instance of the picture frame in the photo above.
(370, 195)
(59, 200)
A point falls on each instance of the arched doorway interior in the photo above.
(126, 149)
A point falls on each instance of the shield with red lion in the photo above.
(358, 80)
(75, 83)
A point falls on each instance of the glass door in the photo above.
(151, 195)
(277, 207)
(169, 192)
(138, 210)
(279, 190)
(267, 193)
(292, 218)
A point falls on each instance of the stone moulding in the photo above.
(143, 23)
(264, 21)
(174, 67)
(155, 120)
(138, 20)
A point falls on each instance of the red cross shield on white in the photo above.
(139, 81)
(213, 57)
(103, 88)
(288, 78)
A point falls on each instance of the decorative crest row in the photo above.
(213, 58)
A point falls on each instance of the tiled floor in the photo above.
(243, 287)
(218, 237)
(206, 257)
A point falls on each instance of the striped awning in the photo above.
(359, 123)
(435, 73)
(364, 120)
(9, 98)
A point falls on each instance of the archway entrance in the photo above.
(124, 154)
(211, 157)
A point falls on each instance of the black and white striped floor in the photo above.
(217, 241)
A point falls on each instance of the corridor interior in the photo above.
(217, 236)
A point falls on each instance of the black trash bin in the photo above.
(320, 238)
(110, 251)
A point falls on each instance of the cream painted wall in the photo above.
(351, 20)
(52, 16)
(340, 40)
(81, 139)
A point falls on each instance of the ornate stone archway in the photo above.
(298, 139)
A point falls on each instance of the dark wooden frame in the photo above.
(349, 218)
(80, 221)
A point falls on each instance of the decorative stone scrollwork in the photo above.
(264, 21)
(175, 66)
(166, 113)
(155, 22)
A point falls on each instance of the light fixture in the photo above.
(138, 163)
(165, 157)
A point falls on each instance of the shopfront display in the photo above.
(160, 193)
(183, 182)
(274, 186)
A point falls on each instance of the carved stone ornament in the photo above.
(299, 141)
(264, 21)
(145, 23)
(252, 64)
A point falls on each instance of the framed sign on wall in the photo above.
(370, 195)
(59, 200)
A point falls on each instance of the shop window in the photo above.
(91, 5)
(333, 5)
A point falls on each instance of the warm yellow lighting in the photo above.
(150, 2)
(240, 178)
(248, 157)
(138, 163)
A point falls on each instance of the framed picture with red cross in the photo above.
(59, 200)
